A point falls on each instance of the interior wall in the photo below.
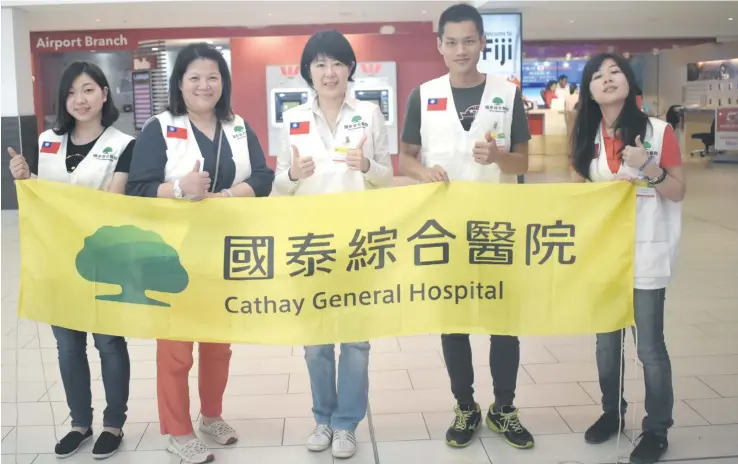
(671, 68)
(416, 56)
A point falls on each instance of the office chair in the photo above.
(707, 138)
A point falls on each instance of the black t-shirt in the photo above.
(76, 153)
(467, 104)
(150, 161)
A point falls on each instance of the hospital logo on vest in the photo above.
(497, 106)
(106, 155)
(136, 260)
(647, 147)
(239, 132)
(356, 123)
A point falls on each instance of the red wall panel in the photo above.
(416, 56)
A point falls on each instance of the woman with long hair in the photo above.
(83, 148)
(334, 143)
(197, 149)
(614, 140)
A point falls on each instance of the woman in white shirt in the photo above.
(334, 143)
(83, 148)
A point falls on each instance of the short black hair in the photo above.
(458, 14)
(563, 76)
(64, 121)
(186, 56)
(331, 44)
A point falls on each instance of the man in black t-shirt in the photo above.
(461, 38)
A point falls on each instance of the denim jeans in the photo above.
(75, 374)
(649, 333)
(504, 362)
(343, 407)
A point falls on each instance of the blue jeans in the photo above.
(344, 407)
(75, 374)
(649, 333)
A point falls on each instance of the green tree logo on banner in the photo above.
(136, 259)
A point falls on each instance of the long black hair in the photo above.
(186, 56)
(631, 122)
(64, 121)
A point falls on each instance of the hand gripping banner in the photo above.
(534, 259)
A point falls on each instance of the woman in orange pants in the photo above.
(198, 135)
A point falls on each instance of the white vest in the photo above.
(182, 154)
(658, 220)
(447, 144)
(332, 175)
(95, 171)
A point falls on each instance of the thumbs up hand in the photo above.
(486, 152)
(18, 166)
(636, 157)
(302, 166)
(195, 184)
(355, 158)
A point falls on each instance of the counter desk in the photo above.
(548, 149)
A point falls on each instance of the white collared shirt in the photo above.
(331, 176)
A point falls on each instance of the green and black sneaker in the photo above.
(507, 423)
(465, 423)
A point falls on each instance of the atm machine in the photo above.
(285, 89)
(377, 82)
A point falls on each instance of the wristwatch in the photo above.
(177, 190)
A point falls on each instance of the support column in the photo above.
(18, 126)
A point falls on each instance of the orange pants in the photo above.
(173, 364)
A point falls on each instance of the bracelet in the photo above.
(226, 193)
(658, 179)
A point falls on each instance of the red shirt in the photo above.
(671, 155)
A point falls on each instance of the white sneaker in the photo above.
(220, 431)
(192, 452)
(320, 439)
(344, 444)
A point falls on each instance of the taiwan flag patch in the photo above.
(437, 104)
(176, 132)
(300, 128)
(50, 147)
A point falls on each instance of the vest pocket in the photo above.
(652, 259)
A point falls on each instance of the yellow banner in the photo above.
(535, 259)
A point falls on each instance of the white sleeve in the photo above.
(380, 173)
(282, 182)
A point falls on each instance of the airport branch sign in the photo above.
(55, 42)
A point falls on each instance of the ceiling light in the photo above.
(219, 47)
(571, 21)
(154, 49)
(98, 20)
(269, 14)
(730, 19)
(423, 12)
